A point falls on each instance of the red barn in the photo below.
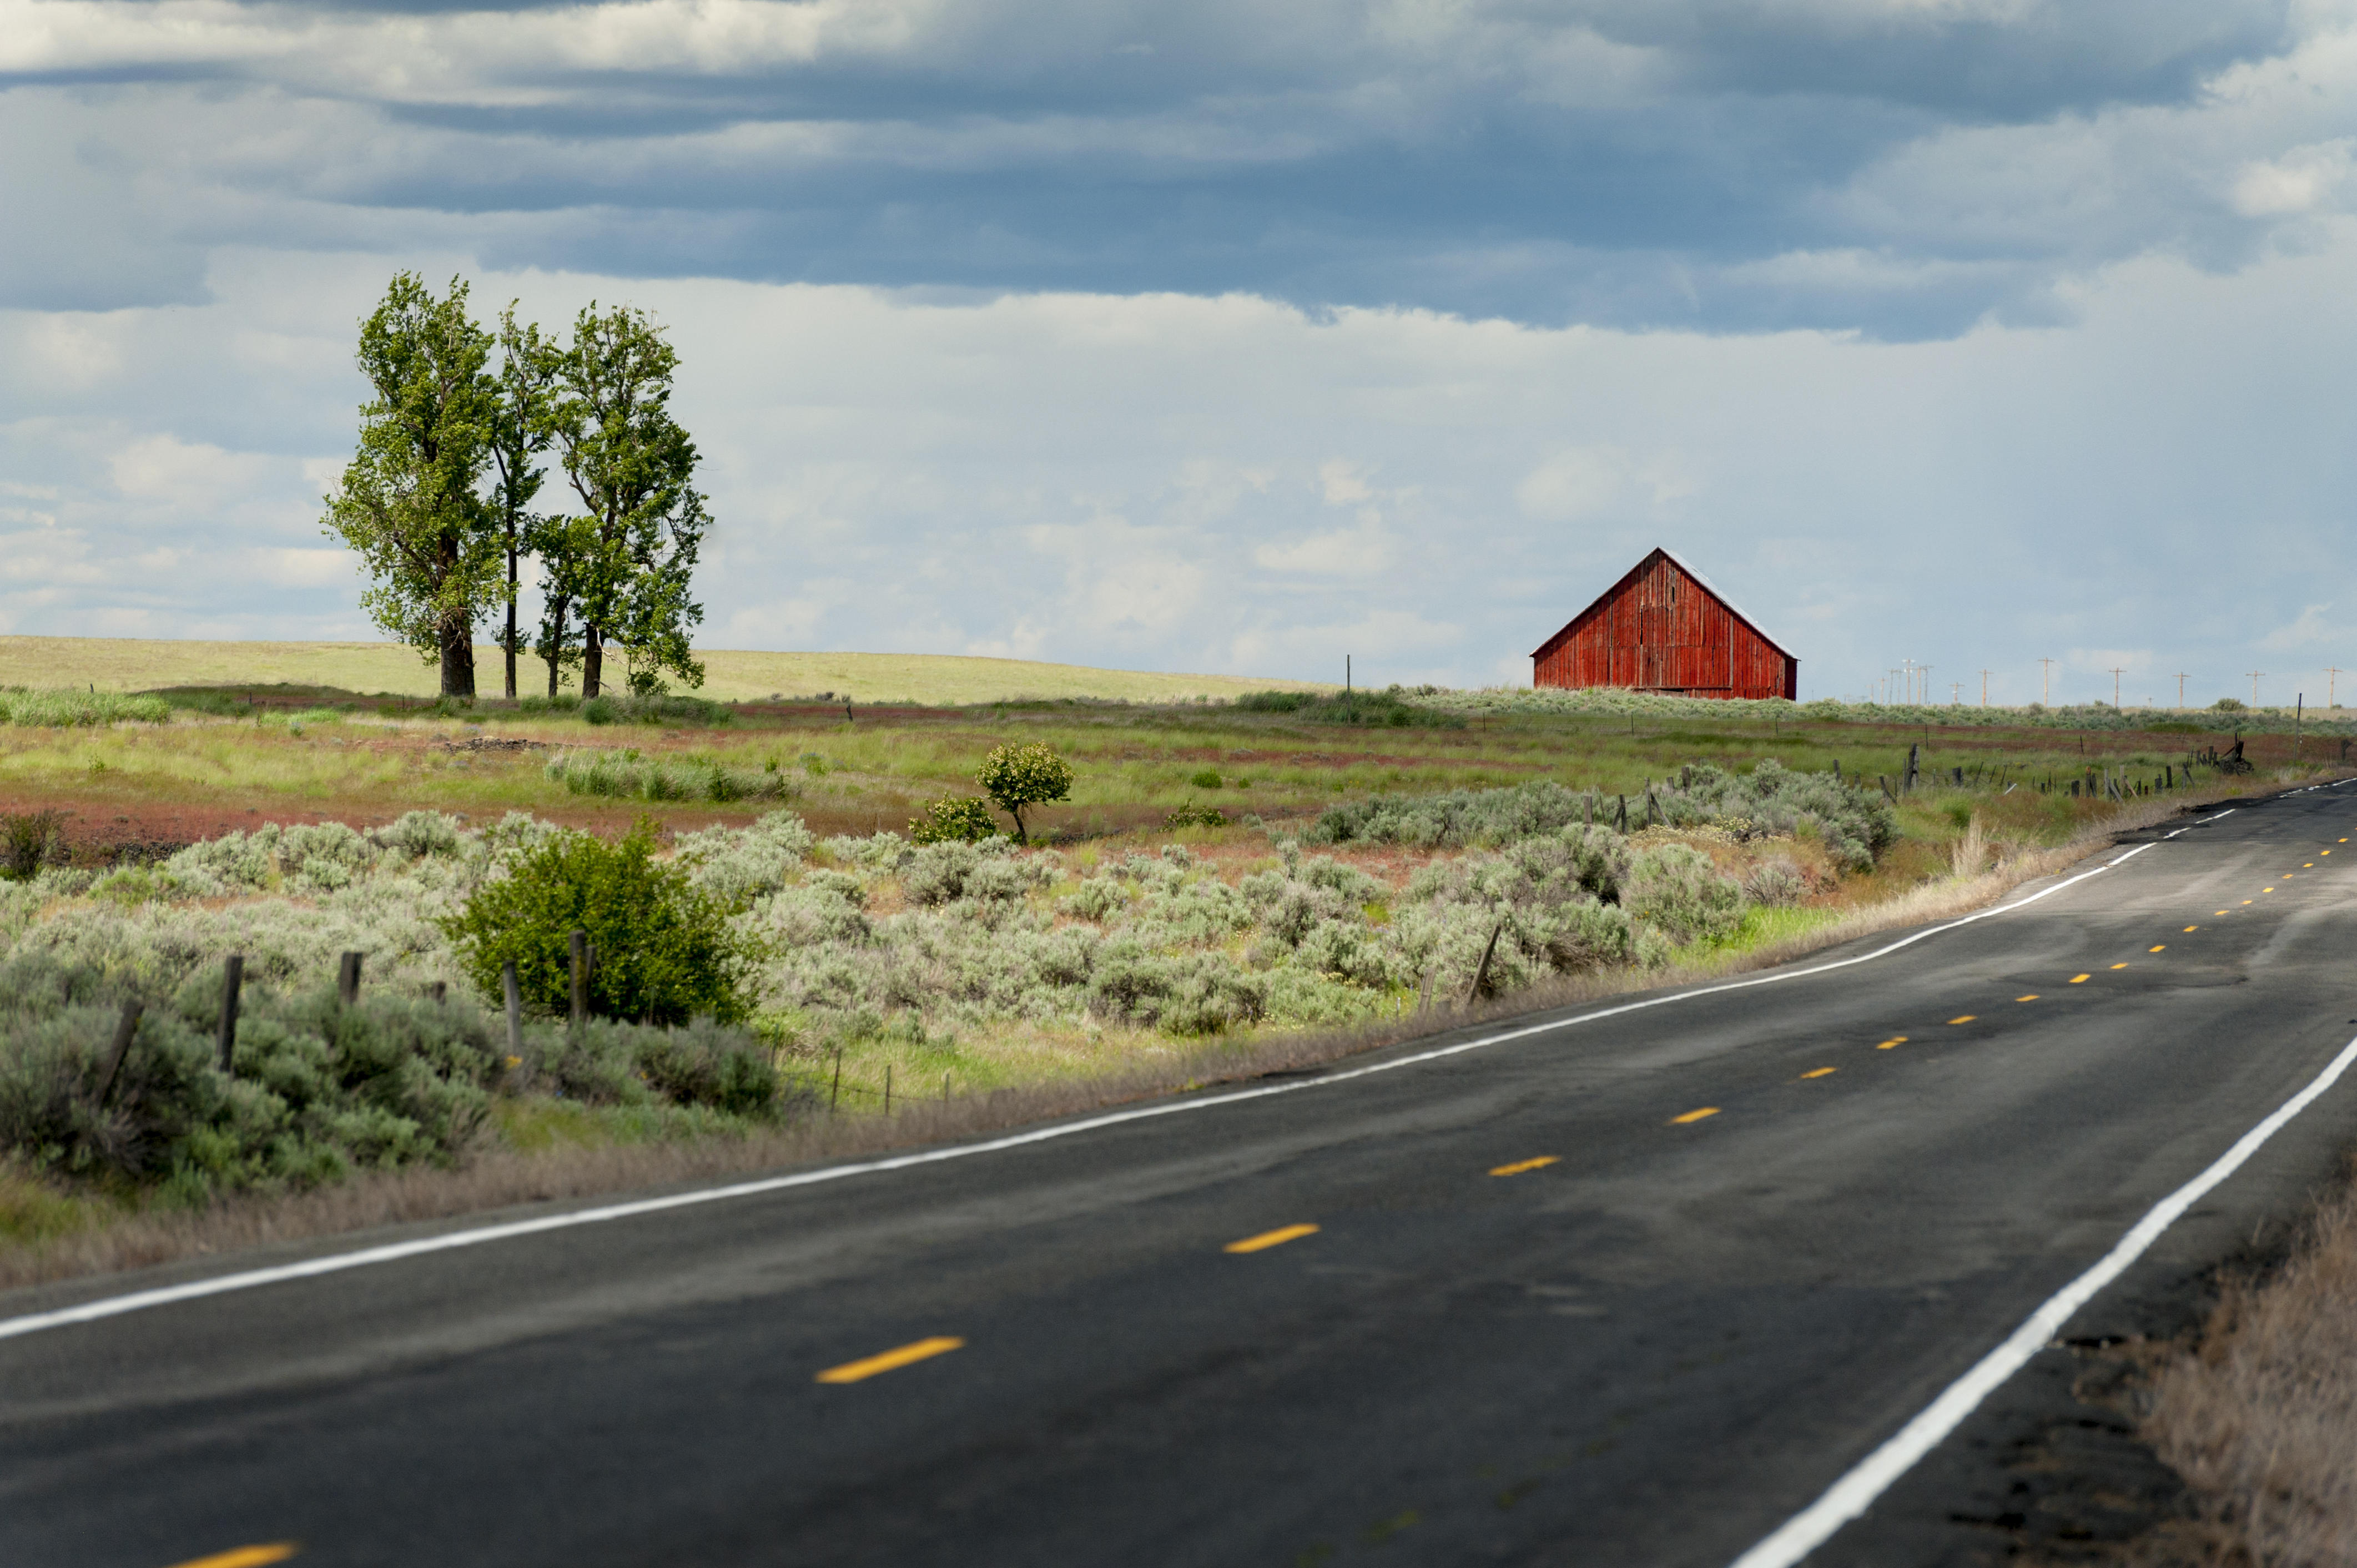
(1664, 628)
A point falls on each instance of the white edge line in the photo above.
(1851, 1496)
(311, 1268)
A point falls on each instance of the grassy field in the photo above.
(873, 770)
(139, 664)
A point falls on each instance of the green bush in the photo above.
(629, 776)
(1196, 817)
(953, 819)
(27, 838)
(63, 710)
(1019, 776)
(664, 951)
(1209, 778)
(1388, 708)
(1679, 891)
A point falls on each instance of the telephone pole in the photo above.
(2115, 686)
(1955, 693)
(2046, 683)
(2255, 675)
(2181, 691)
(1984, 675)
(1925, 671)
(2331, 677)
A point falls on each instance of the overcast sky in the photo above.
(1236, 337)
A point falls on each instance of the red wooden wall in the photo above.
(1659, 629)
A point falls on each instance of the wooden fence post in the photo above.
(887, 1088)
(580, 945)
(124, 1029)
(513, 995)
(1481, 975)
(233, 977)
(835, 1098)
(348, 979)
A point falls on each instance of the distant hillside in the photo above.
(130, 664)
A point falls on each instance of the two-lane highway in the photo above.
(1628, 1285)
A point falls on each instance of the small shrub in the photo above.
(1209, 778)
(2228, 706)
(27, 839)
(1196, 817)
(664, 951)
(1019, 776)
(1680, 892)
(1776, 884)
(953, 819)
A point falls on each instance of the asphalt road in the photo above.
(1769, 1225)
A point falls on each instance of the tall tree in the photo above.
(520, 434)
(627, 559)
(409, 502)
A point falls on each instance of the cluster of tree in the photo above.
(440, 498)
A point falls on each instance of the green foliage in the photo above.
(1196, 817)
(1678, 890)
(1019, 776)
(2227, 705)
(961, 819)
(1857, 824)
(664, 951)
(625, 774)
(1209, 778)
(1388, 708)
(27, 839)
(617, 708)
(622, 564)
(66, 710)
(408, 504)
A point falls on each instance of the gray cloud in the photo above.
(1897, 168)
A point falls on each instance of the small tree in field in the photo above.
(1019, 776)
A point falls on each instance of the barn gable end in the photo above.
(1664, 628)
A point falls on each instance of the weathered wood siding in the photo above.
(1659, 629)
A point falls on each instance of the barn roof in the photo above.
(1683, 565)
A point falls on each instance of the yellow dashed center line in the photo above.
(1817, 1072)
(2160, 946)
(1519, 1166)
(2119, 966)
(2192, 928)
(1694, 1115)
(890, 1360)
(2246, 900)
(2310, 865)
(1965, 1019)
(1268, 1239)
(1894, 1040)
(2080, 979)
(2032, 997)
(244, 1556)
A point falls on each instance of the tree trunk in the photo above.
(593, 660)
(560, 611)
(458, 661)
(511, 616)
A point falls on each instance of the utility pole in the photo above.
(1924, 686)
(2115, 687)
(2181, 691)
(2331, 677)
(1955, 693)
(2046, 683)
(2255, 675)
(1984, 675)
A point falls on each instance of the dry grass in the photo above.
(87, 1241)
(2259, 1415)
(138, 664)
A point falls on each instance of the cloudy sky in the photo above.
(1237, 337)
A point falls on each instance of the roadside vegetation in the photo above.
(2256, 1413)
(836, 911)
